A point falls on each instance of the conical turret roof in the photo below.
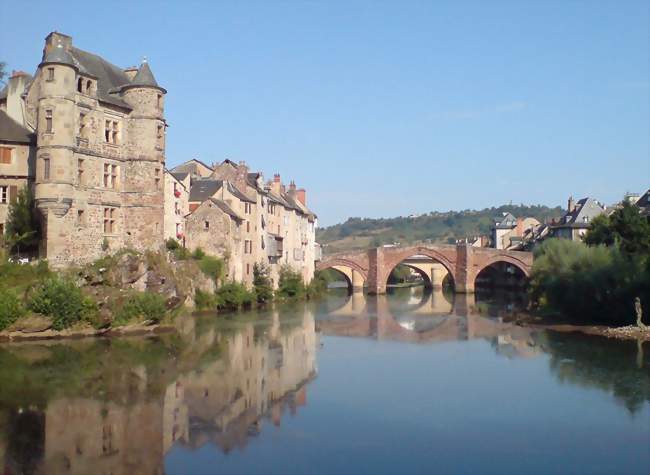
(144, 78)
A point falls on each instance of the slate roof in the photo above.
(644, 204)
(507, 221)
(235, 192)
(110, 78)
(179, 176)
(584, 212)
(189, 166)
(202, 190)
(144, 77)
(223, 206)
(59, 55)
(12, 131)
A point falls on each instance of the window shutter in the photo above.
(13, 193)
(5, 155)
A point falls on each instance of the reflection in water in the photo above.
(118, 406)
(123, 406)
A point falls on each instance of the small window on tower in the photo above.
(206, 225)
(80, 85)
(115, 133)
(80, 171)
(82, 125)
(50, 74)
(107, 131)
(159, 101)
(48, 121)
(157, 180)
(89, 86)
(46, 168)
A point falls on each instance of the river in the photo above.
(411, 382)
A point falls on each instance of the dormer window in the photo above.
(80, 85)
(89, 86)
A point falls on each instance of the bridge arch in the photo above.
(393, 260)
(355, 275)
(520, 265)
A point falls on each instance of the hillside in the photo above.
(436, 227)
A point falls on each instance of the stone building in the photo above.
(264, 223)
(99, 152)
(177, 206)
(17, 157)
(577, 220)
(509, 232)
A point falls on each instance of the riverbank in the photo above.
(564, 325)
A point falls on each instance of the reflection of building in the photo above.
(237, 377)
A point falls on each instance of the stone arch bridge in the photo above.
(462, 263)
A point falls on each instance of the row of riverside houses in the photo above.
(509, 232)
(226, 210)
(89, 138)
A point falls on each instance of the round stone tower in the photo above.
(144, 180)
(54, 192)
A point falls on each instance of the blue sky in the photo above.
(387, 108)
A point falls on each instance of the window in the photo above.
(115, 132)
(107, 131)
(113, 176)
(46, 168)
(160, 136)
(159, 101)
(110, 175)
(4, 194)
(50, 74)
(111, 131)
(157, 178)
(206, 225)
(106, 174)
(89, 86)
(5, 155)
(248, 208)
(48, 121)
(177, 209)
(80, 85)
(80, 172)
(248, 269)
(248, 226)
(109, 220)
(81, 218)
(82, 125)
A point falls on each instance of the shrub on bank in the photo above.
(205, 300)
(589, 284)
(141, 305)
(11, 308)
(62, 300)
(290, 285)
(262, 283)
(233, 296)
(318, 285)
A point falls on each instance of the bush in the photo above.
(142, 305)
(589, 284)
(11, 308)
(182, 254)
(233, 296)
(62, 300)
(290, 285)
(205, 300)
(262, 283)
(212, 267)
(22, 276)
(318, 286)
(171, 244)
(198, 254)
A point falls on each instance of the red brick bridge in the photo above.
(462, 263)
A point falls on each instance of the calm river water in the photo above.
(397, 384)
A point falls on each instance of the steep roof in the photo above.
(583, 213)
(235, 192)
(506, 221)
(223, 206)
(190, 166)
(202, 190)
(12, 131)
(110, 78)
(59, 55)
(179, 176)
(144, 78)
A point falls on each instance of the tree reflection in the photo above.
(610, 365)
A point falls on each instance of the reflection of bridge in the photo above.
(462, 263)
(432, 319)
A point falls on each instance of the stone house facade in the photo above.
(177, 206)
(276, 227)
(99, 152)
(509, 232)
(577, 219)
(17, 160)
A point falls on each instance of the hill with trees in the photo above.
(434, 227)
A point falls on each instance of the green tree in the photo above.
(625, 228)
(23, 227)
(262, 283)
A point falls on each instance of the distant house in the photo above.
(575, 222)
(508, 231)
(643, 203)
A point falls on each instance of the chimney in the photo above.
(571, 205)
(276, 186)
(53, 39)
(276, 178)
(292, 187)
(301, 194)
(131, 72)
